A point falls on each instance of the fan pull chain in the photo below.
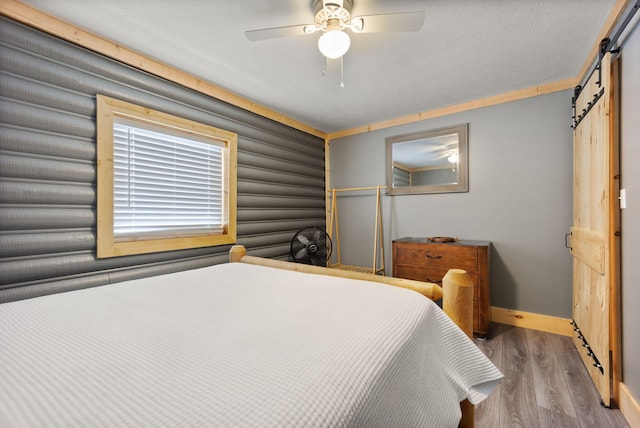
(324, 69)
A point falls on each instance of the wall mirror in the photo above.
(433, 161)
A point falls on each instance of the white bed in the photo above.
(236, 345)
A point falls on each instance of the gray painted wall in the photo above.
(520, 198)
(630, 180)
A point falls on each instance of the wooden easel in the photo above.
(378, 246)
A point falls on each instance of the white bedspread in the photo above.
(236, 345)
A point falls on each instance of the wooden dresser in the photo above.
(422, 260)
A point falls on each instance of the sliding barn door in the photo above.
(592, 233)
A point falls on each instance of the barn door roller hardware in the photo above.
(604, 48)
(590, 104)
(606, 45)
(577, 118)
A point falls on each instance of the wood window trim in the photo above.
(107, 246)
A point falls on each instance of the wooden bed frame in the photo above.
(456, 294)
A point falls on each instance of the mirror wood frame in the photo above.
(462, 185)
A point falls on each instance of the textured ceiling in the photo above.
(466, 50)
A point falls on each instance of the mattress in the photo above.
(236, 345)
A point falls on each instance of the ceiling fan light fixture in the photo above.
(334, 43)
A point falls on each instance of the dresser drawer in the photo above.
(438, 256)
(420, 273)
(429, 275)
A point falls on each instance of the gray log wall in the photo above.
(48, 168)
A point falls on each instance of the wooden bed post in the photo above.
(457, 302)
(457, 299)
(236, 253)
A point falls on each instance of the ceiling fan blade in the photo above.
(275, 32)
(392, 22)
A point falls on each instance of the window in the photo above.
(164, 183)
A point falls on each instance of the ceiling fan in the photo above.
(333, 17)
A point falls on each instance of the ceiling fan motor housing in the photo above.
(325, 10)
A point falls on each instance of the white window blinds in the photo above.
(167, 182)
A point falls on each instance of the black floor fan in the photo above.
(311, 246)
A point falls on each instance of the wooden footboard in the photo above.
(239, 254)
(456, 293)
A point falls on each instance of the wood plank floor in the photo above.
(545, 384)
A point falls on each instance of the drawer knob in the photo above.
(432, 256)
